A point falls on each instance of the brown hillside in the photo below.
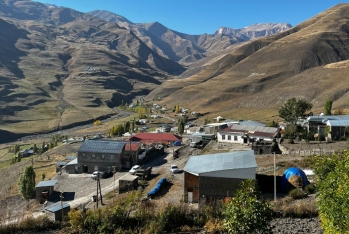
(266, 72)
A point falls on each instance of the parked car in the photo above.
(106, 174)
(134, 169)
(174, 169)
(95, 174)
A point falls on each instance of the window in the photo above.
(229, 138)
(84, 155)
(93, 155)
(103, 156)
(112, 157)
(235, 138)
(223, 137)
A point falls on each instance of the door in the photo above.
(84, 169)
(190, 197)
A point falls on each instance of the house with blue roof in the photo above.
(214, 176)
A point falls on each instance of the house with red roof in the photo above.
(155, 138)
(246, 133)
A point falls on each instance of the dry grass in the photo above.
(288, 207)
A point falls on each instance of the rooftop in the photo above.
(129, 177)
(56, 206)
(338, 123)
(146, 137)
(134, 146)
(249, 128)
(102, 146)
(219, 162)
(74, 161)
(46, 183)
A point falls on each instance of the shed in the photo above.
(72, 166)
(59, 165)
(128, 183)
(217, 175)
(44, 186)
(54, 211)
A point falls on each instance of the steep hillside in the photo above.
(60, 67)
(185, 48)
(263, 73)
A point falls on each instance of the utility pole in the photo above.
(61, 196)
(114, 171)
(97, 191)
(274, 178)
(100, 189)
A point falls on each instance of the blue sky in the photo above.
(205, 16)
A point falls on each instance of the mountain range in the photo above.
(60, 67)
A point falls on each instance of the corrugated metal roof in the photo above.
(69, 158)
(102, 146)
(57, 206)
(248, 128)
(219, 162)
(338, 123)
(156, 136)
(75, 161)
(46, 183)
(252, 123)
(134, 146)
(61, 163)
(329, 117)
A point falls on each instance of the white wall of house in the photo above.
(229, 137)
(243, 173)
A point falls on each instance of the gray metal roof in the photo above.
(219, 162)
(329, 117)
(338, 123)
(57, 206)
(69, 158)
(102, 146)
(61, 163)
(75, 161)
(252, 123)
(46, 183)
(252, 128)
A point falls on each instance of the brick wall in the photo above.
(191, 183)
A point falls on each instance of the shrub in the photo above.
(297, 194)
(310, 189)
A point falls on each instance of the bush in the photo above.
(310, 189)
(297, 194)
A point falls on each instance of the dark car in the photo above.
(106, 174)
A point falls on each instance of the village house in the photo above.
(337, 129)
(318, 123)
(155, 138)
(215, 176)
(103, 155)
(246, 133)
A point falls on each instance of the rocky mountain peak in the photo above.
(255, 30)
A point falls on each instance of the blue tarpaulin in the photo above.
(177, 143)
(157, 187)
(290, 172)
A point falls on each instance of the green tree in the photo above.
(180, 127)
(19, 157)
(35, 148)
(273, 124)
(245, 213)
(43, 176)
(26, 183)
(295, 109)
(332, 175)
(328, 107)
(133, 125)
(17, 148)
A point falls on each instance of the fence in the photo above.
(302, 152)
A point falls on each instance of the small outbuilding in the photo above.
(54, 211)
(44, 189)
(128, 183)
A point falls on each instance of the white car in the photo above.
(134, 169)
(95, 174)
(174, 169)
